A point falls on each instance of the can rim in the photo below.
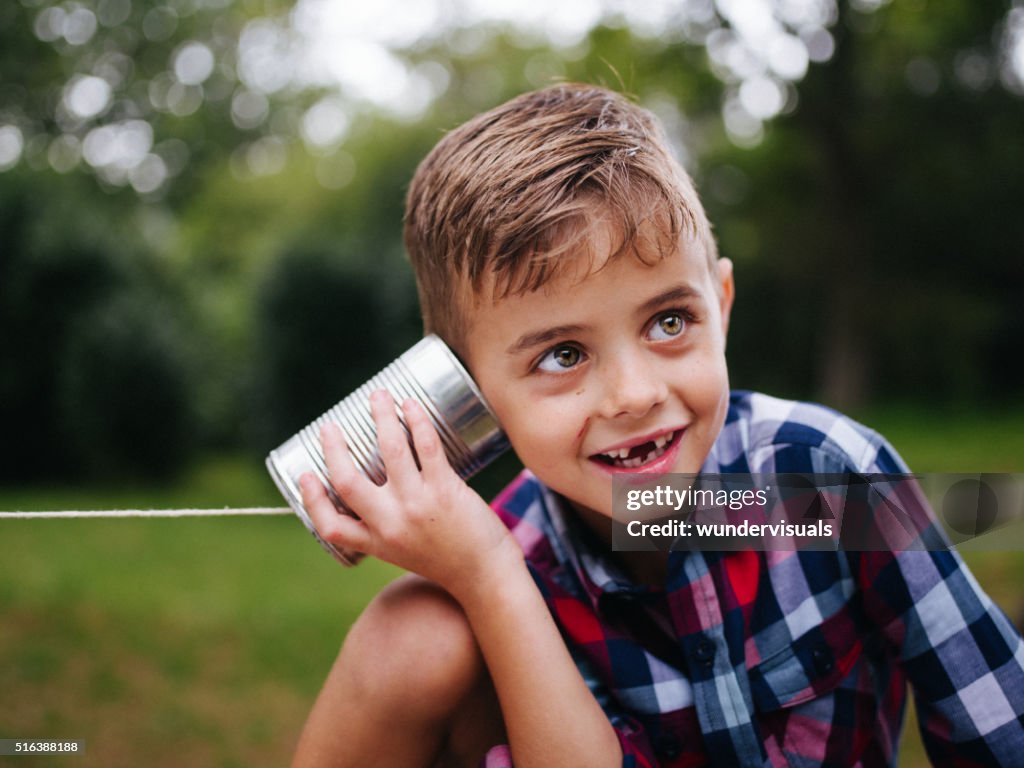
(469, 380)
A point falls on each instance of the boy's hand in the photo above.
(426, 520)
(429, 521)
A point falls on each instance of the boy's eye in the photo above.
(668, 326)
(560, 359)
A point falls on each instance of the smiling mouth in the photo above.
(639, 455)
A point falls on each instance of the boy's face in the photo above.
(621, 369)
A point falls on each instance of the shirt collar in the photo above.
(577, 549)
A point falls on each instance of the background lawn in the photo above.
(204, 642)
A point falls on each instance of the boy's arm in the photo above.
(962, 656)
(429, 521)
(544, 699)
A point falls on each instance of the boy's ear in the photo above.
(726, 291)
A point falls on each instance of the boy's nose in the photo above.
(633, 386)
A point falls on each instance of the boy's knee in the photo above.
(413, 648)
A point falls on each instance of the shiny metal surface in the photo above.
(428, 372)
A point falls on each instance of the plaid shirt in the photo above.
(780, 658)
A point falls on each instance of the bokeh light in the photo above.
(366, 58)
(193, 63)
(87, 96)
(325, 123)
(11, 145)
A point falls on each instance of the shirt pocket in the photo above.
(810, 667)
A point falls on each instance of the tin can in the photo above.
(429, 373)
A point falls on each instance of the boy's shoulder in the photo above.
(770, 434)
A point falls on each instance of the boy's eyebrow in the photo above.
(536, 339)
(547, 335)
(675, 293)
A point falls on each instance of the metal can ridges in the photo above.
(353, 415)
(456, 449)
(428, 373)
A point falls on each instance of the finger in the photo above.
(392, 442)
(433, 460)
(351, 485)
(334, 527)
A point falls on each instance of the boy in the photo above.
(563, 253)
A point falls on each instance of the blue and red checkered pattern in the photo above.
(796, 658)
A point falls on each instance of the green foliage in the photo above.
(873, 229)
(124, 396)
(133, 48)
(41, 293)
(874, 224)
(91, 372)
(323, 326)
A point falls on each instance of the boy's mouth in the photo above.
(640, 454)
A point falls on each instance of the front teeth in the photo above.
(619, 457)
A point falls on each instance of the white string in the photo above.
(147, 513)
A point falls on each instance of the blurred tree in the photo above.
(42, 292)
(124, 391)
(134, 93)
(877, 220)
(78, 374)
(850, 154)
(323, 327)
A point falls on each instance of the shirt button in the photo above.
(823, 661)
(705, 653)
(668, 746)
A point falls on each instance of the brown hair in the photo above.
(502, 198)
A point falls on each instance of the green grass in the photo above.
(169, 642)
(952, 440)
(204, 641)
